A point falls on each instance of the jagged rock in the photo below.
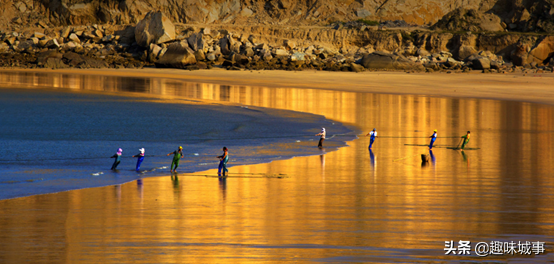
(199, 55)
(542, 51)
(156, 28)
(153, 52)
(178, 55)
(196, 41)
(65, 32)
(42, 42)
(52, 44)
(289, 44)
(465, 51)
(224, 45)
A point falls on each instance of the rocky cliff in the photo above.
(523, 15)
(278, 34)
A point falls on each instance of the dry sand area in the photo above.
(537, 88)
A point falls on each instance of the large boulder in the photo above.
(154, 28)
(465, 51)
(178, 55)
(383, 60)
(196, 41)
(543, 51)
(481, 63)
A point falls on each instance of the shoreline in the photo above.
(532, 88)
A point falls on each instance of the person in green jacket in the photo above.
(177, 155)
(466, 140)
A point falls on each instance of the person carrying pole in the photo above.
(322, 138)
(140, 157)
(117, 160)
(433, 138)
(373, 135)
(466, 139)
(177, 155)
(223, 159)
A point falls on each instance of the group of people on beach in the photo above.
(177, 156)
(465, 138)
(224, 158)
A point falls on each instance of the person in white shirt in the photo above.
(322, 134)
(373, 135)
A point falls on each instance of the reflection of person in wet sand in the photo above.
(175, 180)
(371, 158)
(322, 138)
(432, 157)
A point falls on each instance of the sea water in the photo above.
(59, 140)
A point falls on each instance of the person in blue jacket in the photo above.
(140, 157)
(433, 138)
(373, 135)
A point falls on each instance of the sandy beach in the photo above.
(349, 205)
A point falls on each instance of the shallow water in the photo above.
(59, 139)
(349, 205)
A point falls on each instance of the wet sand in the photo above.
(535, 88)
(350, 205)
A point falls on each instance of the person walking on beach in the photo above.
(140, 157)
(117, 160)
(373, 135)
(223, 159)
(322, 138)
(177, 155)
(466, 140)
(433, 138)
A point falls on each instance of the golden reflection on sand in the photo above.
(349, 203)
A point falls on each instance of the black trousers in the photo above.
(320, 145)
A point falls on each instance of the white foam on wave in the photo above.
(97, 174)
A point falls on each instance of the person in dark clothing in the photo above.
(117, 160)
